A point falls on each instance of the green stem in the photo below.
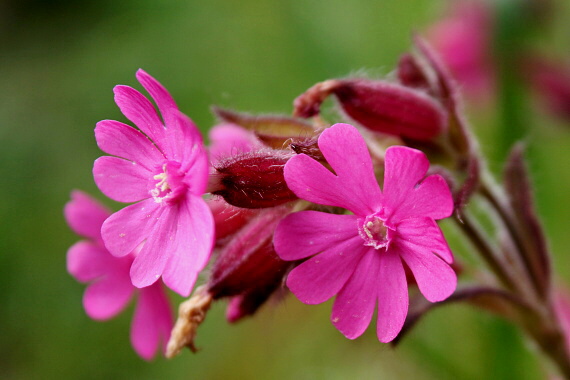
(490, 194)
(477, 237)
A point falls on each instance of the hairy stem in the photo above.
(490, 194)
(489, 254)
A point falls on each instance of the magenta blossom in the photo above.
(110, 288)
(163, 167)
(361, 257)
(230, 140)
(463, 40)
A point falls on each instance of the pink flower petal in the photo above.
(435, 278)
(182, 138)
(321, 277)
(355, 188)
(190, 251)
(152, 258)
(124, 230)
(346, 151)
(423, 234)
(121, 180)
(85, 215)
(86, 261)
(186, 146)
(152, 321)
(138, 109)
(109, 296)
(432, 198)
(306, 233)
(159, 94)
(354, 304)
(230, 140)
(311, 181)
(392, 297)
(121, 140)
(197, 173)
(404, 168)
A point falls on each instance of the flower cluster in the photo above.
(267, 177)
(319, 208)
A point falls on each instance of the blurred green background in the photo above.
(59, 61)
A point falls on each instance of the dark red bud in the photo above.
(248, 264)
(444, 84)
(248, 303)
(447, 92)
(551, 83)
(272, 130)
(228, 219)
(379, 106)
(392, 108)
(253, 180)
(411, 73)
(533, 245)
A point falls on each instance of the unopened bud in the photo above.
(380, 106)
(228, 219)
(252, 180)
(551, 82)
(273, 130)
(247, 304)
(411, 73)
(248, 266)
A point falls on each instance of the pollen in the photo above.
(162, 185)
(167, 183)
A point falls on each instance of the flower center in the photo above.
(167, 184)
(374, 231)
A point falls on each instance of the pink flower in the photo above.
(110, 288)
(164, 168)
(230, 140)
(551, 82)
(361, 257)
(463, 40)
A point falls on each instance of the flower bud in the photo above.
(252, 180)
(411, 73)
(533, 246)
(248, 303)
(551, 83)
(230, 139)
(272, 130)
(227, 218)
(464, 42)
(247, 267)
(380, 106)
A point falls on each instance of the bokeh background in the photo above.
(59, 61)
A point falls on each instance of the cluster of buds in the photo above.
(319, 208)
